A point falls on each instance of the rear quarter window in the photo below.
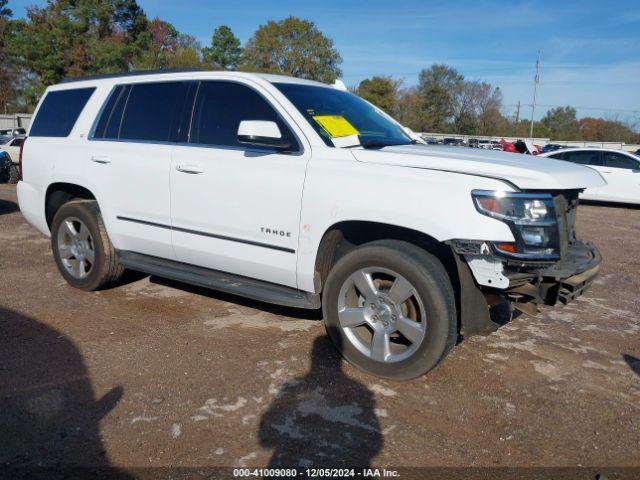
(59, 112)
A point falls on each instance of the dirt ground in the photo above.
(155, 373)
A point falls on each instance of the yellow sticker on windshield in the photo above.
(335, 125)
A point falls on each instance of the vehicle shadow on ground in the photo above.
(323, 418)
(633, 362)
(7, 207)
(299, 313)
(49, 414)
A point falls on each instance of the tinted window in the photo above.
(59, 111)
(618, 160)
(584, 157)
(107, 113)
(557, 156)
(114, 120)
(152, 111)
(221, 106)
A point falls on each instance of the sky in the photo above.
(590, 50)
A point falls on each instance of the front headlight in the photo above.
(531, 217)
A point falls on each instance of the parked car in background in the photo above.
(454, 142)
(5, 167)
(270, 187)
(12, 132)
(527, 147)
(11, 146)
(485, 144)
(495, 145)
(508, 146)
(431, 140)
(551, 147)
(621, 170)
(473, 143)
(637, 152)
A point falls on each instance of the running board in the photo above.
(215, 280)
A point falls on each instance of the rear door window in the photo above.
(59, 112)
(153, 110)
(221, 106)
(619, 160)
(585, 157)
(108, 125)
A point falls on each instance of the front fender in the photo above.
(435, 203)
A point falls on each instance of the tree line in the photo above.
(70, 38)
(444, 101)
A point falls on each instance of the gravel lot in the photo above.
(156, 373)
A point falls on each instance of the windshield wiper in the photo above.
(376, 144)
(373, 144)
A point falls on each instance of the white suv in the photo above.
(292, 192)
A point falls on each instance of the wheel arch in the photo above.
(60, 193)
(472, 310)
(343, 236)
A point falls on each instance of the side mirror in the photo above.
(261, 133)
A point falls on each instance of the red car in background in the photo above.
(520, 146)
(508, 146)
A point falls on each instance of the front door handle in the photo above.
(192, 169)
(102, 159)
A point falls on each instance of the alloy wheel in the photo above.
(381, 314)
(76, 247)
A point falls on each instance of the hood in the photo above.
(524, 171)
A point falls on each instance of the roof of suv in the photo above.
(150, 74)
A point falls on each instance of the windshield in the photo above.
(373, 128)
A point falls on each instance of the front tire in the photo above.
(81, 247)
(389, 308)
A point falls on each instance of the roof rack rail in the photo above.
(132, 73)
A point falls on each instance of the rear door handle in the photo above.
(100, 159)
(193, 169)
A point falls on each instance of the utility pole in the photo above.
(536, 81)
(517, 118)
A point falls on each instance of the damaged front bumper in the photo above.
(561, 282)
(486, 279)
(532, 281)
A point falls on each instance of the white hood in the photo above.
(525, 171)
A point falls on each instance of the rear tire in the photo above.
(14, 174)
(390, 310)
(81, 247)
